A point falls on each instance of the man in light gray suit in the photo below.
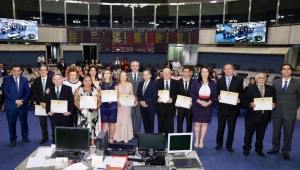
(287, 97)
(135, 78)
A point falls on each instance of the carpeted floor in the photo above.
(10, 157)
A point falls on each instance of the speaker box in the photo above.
(101, 143)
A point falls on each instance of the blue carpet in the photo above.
(10, 157)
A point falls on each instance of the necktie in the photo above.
(186, 87)
(228, 83)
(43, 84)
(167, 85)
(17, 84)
(285, 86)
(262, 95)
(57, 93)
(144, 89)
(134, 79)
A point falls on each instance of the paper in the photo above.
(164, 95)
(96, 84)
(35, 162)
(126, 100)
(115, 161)
(59, 106)
(88, 102)
(109, 95)
(42, 152)
(40, 111)
(96, 159)
(77, 166)
(183, 101)
(61, 162)
(228, 97)
(99, 165)
(49, 162)
(264, 103)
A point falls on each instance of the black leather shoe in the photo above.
(26, 140)
(136, 135)
(272, 151)
(246, 153)
(260, 153)
(286, 156)
(43, 141)
(230, 149)
(13, 143)
(218, 147)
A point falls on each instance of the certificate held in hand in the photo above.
(126, 100)
(164, 95)
(40, 111)
(59, 106)
(228, 97)
(88, 102)
(109, 95)
(264, 103)
(183, 101)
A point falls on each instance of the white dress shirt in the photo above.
(176, 64)
(283, 82)
(169, 83)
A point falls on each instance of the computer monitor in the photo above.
(70, 138)
(180, 142)
(151, 141)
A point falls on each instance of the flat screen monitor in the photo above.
(15, 29)
(180, 142)
(251, 32)
(151, 141)
(70, 138)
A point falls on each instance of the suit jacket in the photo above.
(181, 87)
(173, 92)
(65, 94)
(37, 89)
(62, 67)
(149, 97)
(4, 73)
(11, 92)
(236, 86)
(287, 102)
(139, 79)
(248, 96)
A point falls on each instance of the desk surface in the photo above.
(168, 158)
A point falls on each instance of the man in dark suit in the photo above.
(228, 112)
(59, 92)
(287, 101)
(135, 78)
(184, 90)
(3, 71)
(147, 95)
(256, 121)
(62, 65)
(16, 91)
(39, 87)
(166, 109)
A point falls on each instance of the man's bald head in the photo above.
(167, 73)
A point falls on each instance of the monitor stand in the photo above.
(179, 155)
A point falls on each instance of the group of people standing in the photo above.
(124, 122)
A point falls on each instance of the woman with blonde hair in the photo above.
(124, 131)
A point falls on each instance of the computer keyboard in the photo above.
(150, 167)
(70, 154)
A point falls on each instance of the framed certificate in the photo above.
(40, 111)
(126, 100)
(109, 95)
(88, 102)
(183, 101)
(228, 97)
(59, 106)
(264, 103)
(164, 95)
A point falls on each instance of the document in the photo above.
(183, 101)
(61, 162)
(126, 100)
(115, 161)
(164, 95)
(35, 162)
(40, 111)
(109, 95)
(96, 84)
(88, 102)
(59, 106)
(42, 152)
(77, 166)
(228, 97)
(96, 159)
(49, 162)
(264, 103)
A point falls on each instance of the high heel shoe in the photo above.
(110, 140)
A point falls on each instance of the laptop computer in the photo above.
(186, 163)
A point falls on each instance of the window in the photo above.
(237, 11)
(211, 14)
(289, 12)
(144, 17)
(53, 13)
(166, 16)
(100, 16)
(264, 10)
(188, 16)
(77, 15)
